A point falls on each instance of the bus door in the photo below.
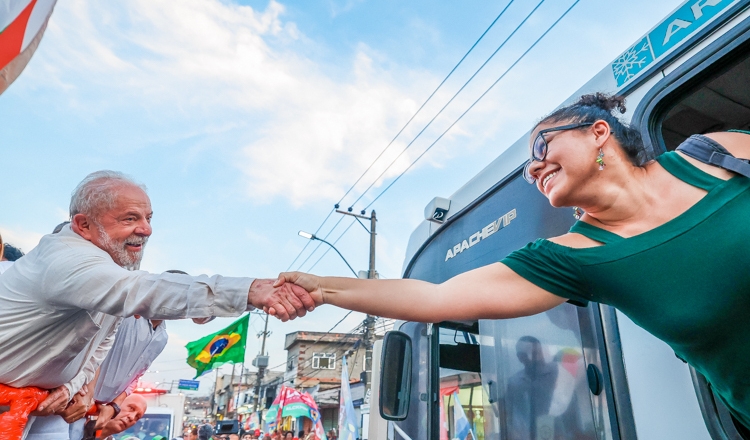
(532, 378)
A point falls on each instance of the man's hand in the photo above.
(202, 321)
(77, 407)
(106, 413)
(301, 284)
(56, 401)
(286, 301)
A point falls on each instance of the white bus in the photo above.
(572, 372)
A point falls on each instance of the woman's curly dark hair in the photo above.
(600, 106)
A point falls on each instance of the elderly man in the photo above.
(61, 304)
(133, 408)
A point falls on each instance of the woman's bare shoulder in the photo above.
(737, 143)
(574, 240)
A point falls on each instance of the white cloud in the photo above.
(312, 128)
(21, 238)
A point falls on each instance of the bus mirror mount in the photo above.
(395, 383)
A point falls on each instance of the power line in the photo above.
(335, 347)
(324, 334)
(320, 243)
(450, 101)
(475, 103)
(308, 243)
(334, 243)
(398, 134)
(427, 100)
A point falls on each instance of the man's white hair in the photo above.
(97, 192)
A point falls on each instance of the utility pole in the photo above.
(369, 322)
(230, 393)
(261, 362)
(213, 395)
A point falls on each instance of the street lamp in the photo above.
(310, 236)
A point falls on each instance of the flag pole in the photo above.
(231, 392)
(213, 396)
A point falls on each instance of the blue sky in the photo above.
(248, 120)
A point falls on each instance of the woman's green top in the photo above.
(687, 281)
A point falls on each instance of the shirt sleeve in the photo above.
(87, 373)
(93, 282)
(551, 269)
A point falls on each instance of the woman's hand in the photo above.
(309, 282)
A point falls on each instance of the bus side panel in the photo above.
(510, 218)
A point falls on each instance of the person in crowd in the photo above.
(663, 240)
(205, 432)
(193, 434)
(61, 304)
(133, 408)
(11, 253)
(8, 255)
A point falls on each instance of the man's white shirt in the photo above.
(61, 303)
(5, 265)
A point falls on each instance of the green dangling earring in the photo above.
(600, 160)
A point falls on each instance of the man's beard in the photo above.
(118, 251)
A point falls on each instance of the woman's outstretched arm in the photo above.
(489, 292)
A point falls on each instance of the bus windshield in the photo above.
(150, 426)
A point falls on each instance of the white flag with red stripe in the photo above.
(22, 24)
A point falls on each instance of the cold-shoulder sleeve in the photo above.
(550, 267)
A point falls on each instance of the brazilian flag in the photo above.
(223, 347)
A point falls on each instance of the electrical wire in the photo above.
(450, 101)
(526, 18)
(308, 243)
(473, 104)
(335, 348)
(427, 100)
(329, 331)
(329, 248)
(320, 243)
(397, 135)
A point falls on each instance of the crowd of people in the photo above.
(206, 432)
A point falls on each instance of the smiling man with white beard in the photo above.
(61, 304)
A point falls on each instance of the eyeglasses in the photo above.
(539, 147)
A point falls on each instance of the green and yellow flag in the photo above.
(223, 347)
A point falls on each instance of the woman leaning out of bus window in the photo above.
(663, 240)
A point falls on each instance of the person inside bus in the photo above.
(662, 239)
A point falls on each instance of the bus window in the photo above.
(461, 399)
(149, 426)
(534, 376)
(721, 103)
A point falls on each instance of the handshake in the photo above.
(291, 295)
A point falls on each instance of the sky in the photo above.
(248, 120)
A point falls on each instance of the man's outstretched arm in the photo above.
(289, 301)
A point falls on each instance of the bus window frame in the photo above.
(651, 112)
